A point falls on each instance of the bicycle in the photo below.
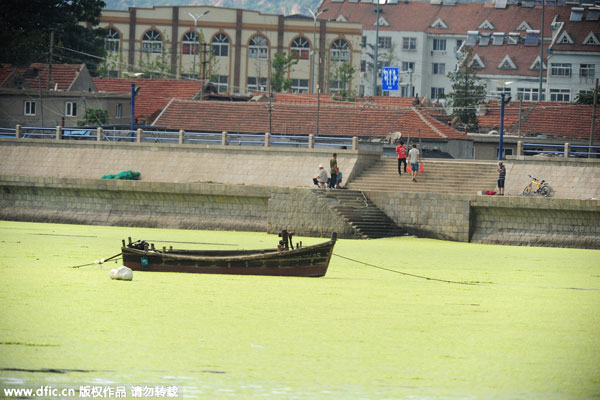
(537, 187)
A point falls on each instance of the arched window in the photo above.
(112, 40)
(340, 51)
(259, 47)
(152, 42)
(220, 45)
(301, 48)
(190, 43)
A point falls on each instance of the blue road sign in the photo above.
(389, 78)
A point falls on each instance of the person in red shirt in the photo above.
(401, 150)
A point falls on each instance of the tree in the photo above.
(468, 91)
(343, 75)
(585, 98)
(94, 116)
(281, 64)
(25, 28)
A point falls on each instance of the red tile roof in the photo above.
(523, 57)
(419, 16)
(62, 76)
(552, 119)
(297, 118)
(154, 94)
(578, 32)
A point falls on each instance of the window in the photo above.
(152, 42)
(439, 44)
(363, 66)
(336, 86)
(259, 47)
(437, 93)
(299, 86)
(112, 73)
(563, 69)
(409, 43)
(503, 89)
(459, 43)
(340, 51)
(363, 42)
(527, 94)
(257, 84)
(190, 43)
(29, 108)
(112, 40)
(587, 70)
(70, 109)
(563, 95)
(439, 69)
(407, 91)
(300, 48)
(408, 66)
(385, 42)
(220, 45)
(119, 110)
(222, 83)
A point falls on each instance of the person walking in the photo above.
(334, 171)
(414, 158)
(401, 151)
(501, 177)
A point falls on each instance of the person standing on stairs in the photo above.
(401, 151)
(334, 171)
(501, 175)
(414, 157)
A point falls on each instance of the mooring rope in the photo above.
(408, 274)
(101, 261)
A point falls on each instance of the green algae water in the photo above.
(526, 327)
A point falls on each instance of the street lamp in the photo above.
(501, 140)
(314, 14)
(196, 17)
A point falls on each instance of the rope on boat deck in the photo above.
(408, 274)
(101, 261)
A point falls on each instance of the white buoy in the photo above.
(122, 273)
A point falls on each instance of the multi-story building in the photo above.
(232, 47)
(424, 38)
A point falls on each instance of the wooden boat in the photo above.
(285, 260)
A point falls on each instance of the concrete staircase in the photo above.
(366, 219)
(439, 176)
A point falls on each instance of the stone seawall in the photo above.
(529, 221)
(273, 166)
(481, 219)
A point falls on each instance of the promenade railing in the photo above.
(179, 137)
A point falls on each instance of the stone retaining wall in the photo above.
(285, 167)
(493, 219)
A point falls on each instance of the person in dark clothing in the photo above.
(501, 177)
(334, 171)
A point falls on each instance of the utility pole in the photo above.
(593, 119)
(376, 66)
(315, 14)
(50, 56)
(540, 97)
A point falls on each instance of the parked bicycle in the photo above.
(537, 187)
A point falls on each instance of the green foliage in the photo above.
(26, 26)
(94, 116)
(343, 74)
(468, 91)
(585, 98)
(282, 64)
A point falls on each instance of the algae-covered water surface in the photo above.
(527, 326)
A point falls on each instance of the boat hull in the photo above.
(310, 261)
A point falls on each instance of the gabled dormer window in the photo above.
(524, 26)
(439, 24)
(507, 63)
(487, 25)
(565, 38)
(341, 18)
(382, 22)
(476, 62)
(536, 65)
(591, 40)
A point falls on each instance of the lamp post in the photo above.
(196, 17)
(314, 14)
(376, 67)
(502, 101)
